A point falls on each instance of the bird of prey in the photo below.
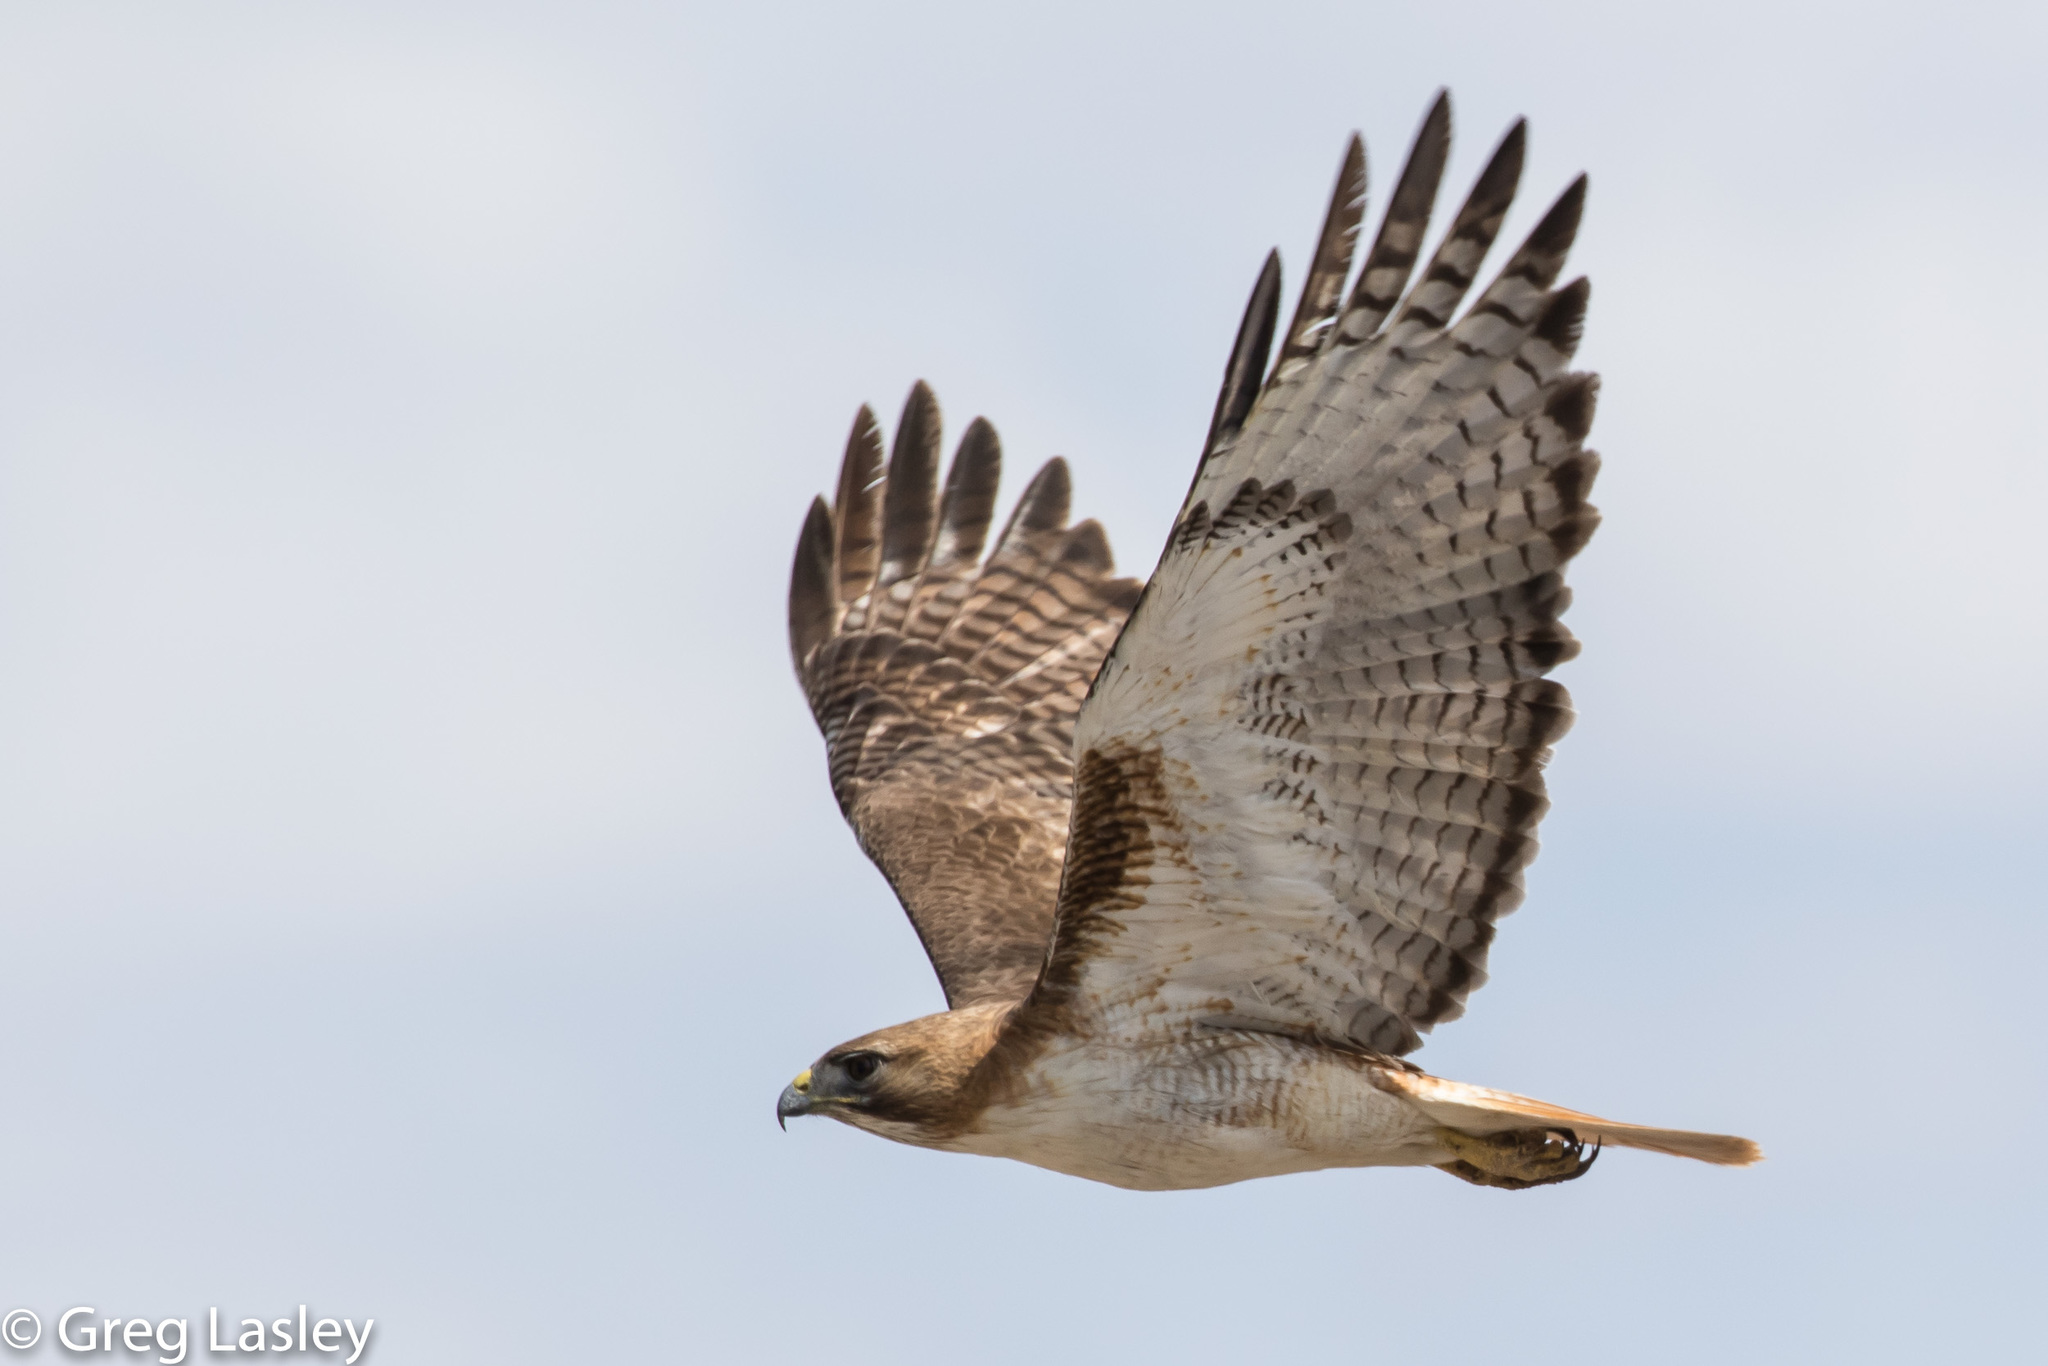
(1198, 863)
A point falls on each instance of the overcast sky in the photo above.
(417, 872)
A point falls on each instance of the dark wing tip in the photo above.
(863, 456)
(1044, 504)
(1439, 115)
(857, 504)
(1451, 271)
(1540, 258)
(1574, 483)
(1322, 289)
(1246, 369)
(1433, 139)
(1571, 405)
(1087, 550)
(910, 501)
(969, 503)
(1553, 237)
(1406, 222)
(1564, 318)
(813, 604)
(1496, 184)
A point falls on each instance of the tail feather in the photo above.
(1479, 1110)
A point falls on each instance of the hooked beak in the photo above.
(796, 1099)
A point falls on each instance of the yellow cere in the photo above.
(803, 1081)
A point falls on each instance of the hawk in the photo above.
(1198, 862)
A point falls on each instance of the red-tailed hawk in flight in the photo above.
(1198, 863)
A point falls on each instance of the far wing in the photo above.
(946, 687)
(1310, 773)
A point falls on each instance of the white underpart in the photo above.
(1224, 1106)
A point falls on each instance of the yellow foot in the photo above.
(1518, 1159)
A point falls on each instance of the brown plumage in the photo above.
(947, 687)
(1303, 768)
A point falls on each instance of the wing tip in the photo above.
(910, 497)
(1559, 227)
(856, 505)
(1087, 550)
(813, 605)
(1506, 163)
(1438, 116)
(1572, 405)
(968, 503)
(863, 449)
(1245, 372)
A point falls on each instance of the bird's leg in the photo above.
(1518, 1159)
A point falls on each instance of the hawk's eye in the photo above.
(860, 1066)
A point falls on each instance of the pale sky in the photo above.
(417, 871)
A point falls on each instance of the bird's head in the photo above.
(907, 1082)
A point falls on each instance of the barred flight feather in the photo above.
(1393, 253)
(946, 687)
(1247, 364)
(1339, 661)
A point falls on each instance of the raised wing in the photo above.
(947, 688)
(1310, 773)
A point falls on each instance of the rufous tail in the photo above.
(1478, 1110)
